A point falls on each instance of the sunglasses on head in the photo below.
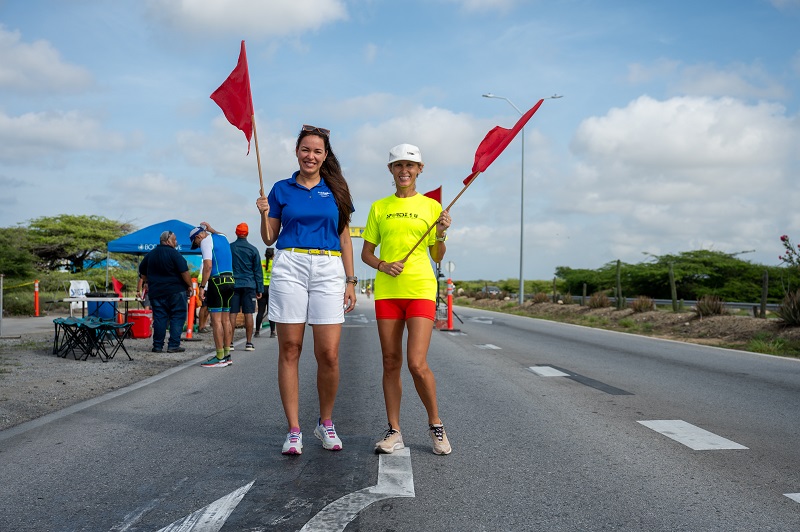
(314, 129)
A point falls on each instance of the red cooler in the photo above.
(142, 322)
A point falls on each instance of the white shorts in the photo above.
(306, 289)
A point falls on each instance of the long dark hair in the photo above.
(331, 173)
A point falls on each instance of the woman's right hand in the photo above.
(263, 205)
(392, 268)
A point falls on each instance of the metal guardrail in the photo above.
(688, 303)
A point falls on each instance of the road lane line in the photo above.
(794, 496)
(212, 517)
(395, 479)
(689, 435)
(487, 346)
(547, 371)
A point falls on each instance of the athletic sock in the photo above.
(220, 354)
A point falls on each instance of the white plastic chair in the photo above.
(77, 289)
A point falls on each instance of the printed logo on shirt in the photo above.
(391, 215)
(324, 193)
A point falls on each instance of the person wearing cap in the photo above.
(249, 282)
(216, 289)
(405, 290)
(266, 270)
(166, 274)
(307, 217)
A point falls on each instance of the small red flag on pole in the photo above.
(435, 194)
(235, 99)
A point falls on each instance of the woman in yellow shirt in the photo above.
(405, 291)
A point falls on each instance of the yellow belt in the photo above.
(317, 252)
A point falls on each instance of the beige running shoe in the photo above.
(392, 441)
(440, 443)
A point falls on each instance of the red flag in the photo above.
(118, 286)
(235, 99)
(435, 194)
(496, 141)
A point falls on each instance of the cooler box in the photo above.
(142, 322)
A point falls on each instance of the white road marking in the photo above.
(212, 517)
(547, 371)
(395, 479)
(487, 346)
(691, 436)
(794, 496)
(487, 321)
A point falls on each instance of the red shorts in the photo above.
(402, 309)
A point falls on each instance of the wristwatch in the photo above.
(443, 237)
(351, 279)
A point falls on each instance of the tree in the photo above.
(72, 237)
(16, 260)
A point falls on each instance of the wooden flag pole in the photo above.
(260, 176)
(471, 179)
(258, 155)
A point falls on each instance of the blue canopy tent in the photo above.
(142, 241)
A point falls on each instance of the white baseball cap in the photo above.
(405, 152)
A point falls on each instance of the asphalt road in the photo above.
(554, 428)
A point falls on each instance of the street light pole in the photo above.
(521, 202)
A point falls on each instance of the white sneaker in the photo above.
(440, 443)
(293, 443)
(392, 441)
(326, 432)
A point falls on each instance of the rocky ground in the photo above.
(34, 382)
(732, 331)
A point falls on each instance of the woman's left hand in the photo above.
(349, 297)
(444, 222)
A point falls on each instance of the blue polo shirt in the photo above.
(309, 218)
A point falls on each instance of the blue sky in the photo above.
(679, 127)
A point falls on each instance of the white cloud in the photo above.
(684, 173)
(37, 67)
(246, 17)
(32, 136)
(749, 81)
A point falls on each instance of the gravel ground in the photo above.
(35, 382)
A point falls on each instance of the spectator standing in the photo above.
(405, 290)
(141, 293)
(312, 277)
(249, 282)
(263, 303)
(166, 274)
(217, 289)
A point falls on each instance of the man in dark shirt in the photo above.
(167, 276)
(249, 281)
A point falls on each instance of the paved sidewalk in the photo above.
(16, 326)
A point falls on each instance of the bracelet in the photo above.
(351, 279)
(379, 265)
(443, 237)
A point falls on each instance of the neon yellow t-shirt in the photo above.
(396, 224)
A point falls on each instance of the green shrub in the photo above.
(789, 309)
(599, 300)
(710, 305)
(643, 304)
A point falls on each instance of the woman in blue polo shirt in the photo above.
(307, 217)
